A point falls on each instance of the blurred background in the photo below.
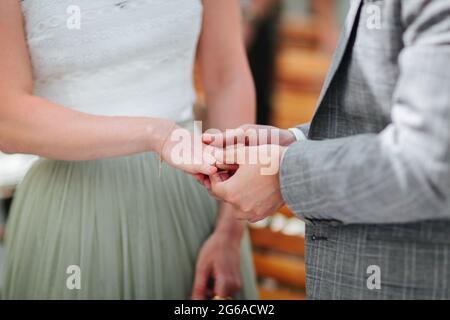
(290, 45)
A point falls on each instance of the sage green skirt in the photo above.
(109, 229)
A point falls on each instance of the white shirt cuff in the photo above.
(298, 134)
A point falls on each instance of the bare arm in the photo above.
(261, 8)
(31, 125)
(226, 77)
(327, 22)
(230, 98)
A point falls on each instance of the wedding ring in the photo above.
(221, 298)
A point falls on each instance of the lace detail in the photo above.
(50, 22)
(130, 57)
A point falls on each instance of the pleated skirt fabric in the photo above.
(130, 233)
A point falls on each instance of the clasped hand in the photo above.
(240, 167)
(248, 161)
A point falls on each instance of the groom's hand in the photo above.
(254, 188)
(250, 135)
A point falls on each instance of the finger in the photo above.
(215, 140)
(243, 136)
(207, 182)
(203, 180)
(219, 155)
(227, 139)
(227, 167)
(224, 176)
(246, 127)
(199, 291)
(198, 177)
(217, 186)
(206, 169)
(219, 177)
(215, 180)
(221, 287)
(202, 164)
(209, 161)
(207, 138)
(207, 165)
(235, 155)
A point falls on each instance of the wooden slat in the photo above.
(280, 294)
(301, 31)
(305, 70)
(284, 269)
(267, 239)
(286, 212)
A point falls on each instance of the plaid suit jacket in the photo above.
(373, 179)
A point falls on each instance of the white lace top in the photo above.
(128, 57)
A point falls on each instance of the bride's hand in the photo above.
(182, 150)
(219, 261)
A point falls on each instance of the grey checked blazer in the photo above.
(373, 180)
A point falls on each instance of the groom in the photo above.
(373, 178)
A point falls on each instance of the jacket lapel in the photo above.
(349, 27)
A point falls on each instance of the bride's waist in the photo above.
(174, 103)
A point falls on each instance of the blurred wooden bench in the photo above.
(300, 75)
(279, 262)
(301, 31)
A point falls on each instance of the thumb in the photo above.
(227, 167)
(216, 140)
(220, 185)
(206, 169)
(234, 155)
(207, 138)
(220, 286)
(217, 180)
(200, 288)
(208, 162)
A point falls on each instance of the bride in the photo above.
(98, 101)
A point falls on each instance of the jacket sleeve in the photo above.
(304, 128)
(402, 174)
